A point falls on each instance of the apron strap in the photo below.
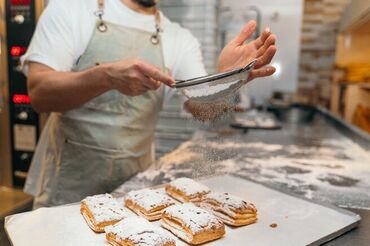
(155, 39)
(102, 27)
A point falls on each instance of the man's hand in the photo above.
(236, 54)
(135, 77)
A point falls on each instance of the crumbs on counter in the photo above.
(273, 225)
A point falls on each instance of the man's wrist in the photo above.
(100, 74)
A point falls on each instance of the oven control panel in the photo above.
(24, 121)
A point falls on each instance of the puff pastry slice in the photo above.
(186, 190)
(232, 210)
(102, 210)
(148, 203)
(137, 231)
(192, 224)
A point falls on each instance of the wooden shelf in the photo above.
(356, 18)
(363, 85)
(352, 50)
(347, 96)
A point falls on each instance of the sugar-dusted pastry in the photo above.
(137, 231)
(148, 203)
(102, 210)
(186, 190)
(192, 224)
(232, 210)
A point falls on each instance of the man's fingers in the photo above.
(151, 84)
(266, 57)
(155, 73)
(261, 39)
(245, 33)
(147, 82)
(270, 41)
(262, 72)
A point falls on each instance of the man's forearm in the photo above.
(52, 91)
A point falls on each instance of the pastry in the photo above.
(186, 190)
(102, 210)
(137, 231)
(148, 203)
(232, 210)
(192, 224)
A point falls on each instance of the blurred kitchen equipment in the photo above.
(216, 86)
(278, 15)
(20, 125)
(295, 113)
(257, 18)
(230, 24)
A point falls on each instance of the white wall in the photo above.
(287, 26)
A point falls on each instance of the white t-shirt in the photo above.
(65, 28)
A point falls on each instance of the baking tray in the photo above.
(299, 221)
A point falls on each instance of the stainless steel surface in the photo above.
(217, 86)
(326, 160)
(305, 222)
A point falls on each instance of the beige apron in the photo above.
(95, 148)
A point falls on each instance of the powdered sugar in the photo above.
(189, 186)
(149, 199)
(255, 145)
(230, 202)
(195, 218)
(206, 90)
(106, 208)
(140, 232)
(305, 160)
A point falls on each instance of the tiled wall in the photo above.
(319, 31)
(200, 17)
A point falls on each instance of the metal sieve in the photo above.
(215, 86)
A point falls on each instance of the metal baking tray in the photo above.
(299, 221)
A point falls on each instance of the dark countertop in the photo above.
(358, 236)
(318, 160)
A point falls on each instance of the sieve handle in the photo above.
(212, 77)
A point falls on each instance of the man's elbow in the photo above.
(35, 97)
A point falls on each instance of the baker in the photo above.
(102, 69)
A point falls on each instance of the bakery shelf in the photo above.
(356, 18)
